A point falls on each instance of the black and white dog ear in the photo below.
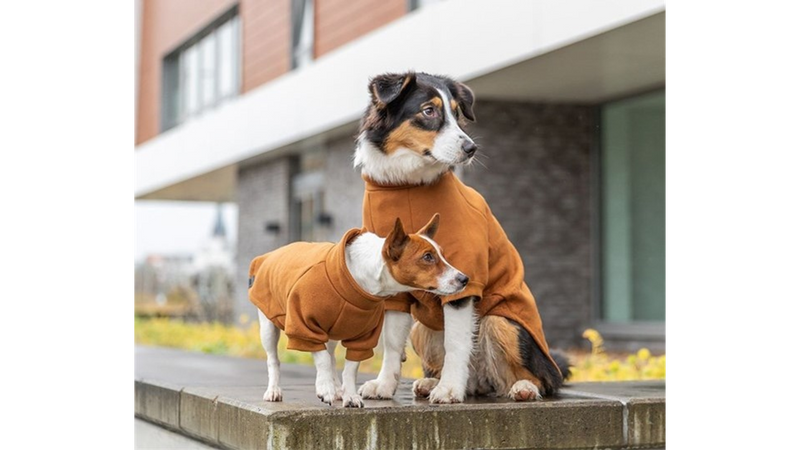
(465, 99)
(387, 88)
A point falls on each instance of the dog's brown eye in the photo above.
(428, 257)
(429, 111)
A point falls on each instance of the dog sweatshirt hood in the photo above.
(305, 289)
(473, 241)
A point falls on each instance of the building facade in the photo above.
(257, 102)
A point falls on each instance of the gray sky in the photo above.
(177, 227)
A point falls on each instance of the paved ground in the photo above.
(218, 400)
(151, 437)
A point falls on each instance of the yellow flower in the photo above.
(595, 339)
(591, 334)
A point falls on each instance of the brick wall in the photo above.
(341, 21)
(538, 184)
(344, 190)
(263, 196)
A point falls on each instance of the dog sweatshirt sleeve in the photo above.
(310, 313)
(360, 347)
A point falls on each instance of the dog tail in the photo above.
(563, 362)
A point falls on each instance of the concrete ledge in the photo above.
(646, 419)
(159, 402)
(198, 414)
(218, 400)
(645, 408)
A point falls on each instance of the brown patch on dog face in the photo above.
(419, 265)
(413, 260)
(408, 136)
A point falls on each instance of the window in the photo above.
(308, 198)
(302, 33)
(632, 228)
(202, 73)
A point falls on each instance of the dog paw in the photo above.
(326, 392)
(423, 387)
(444, 393)
(352, 401)
(376, 390)
(524, 391)
(273, 394)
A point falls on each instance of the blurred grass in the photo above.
(219, 339)
(177, 303)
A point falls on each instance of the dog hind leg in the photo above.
(515, 364)
(429, 345)
(331, 345)
(269, 340)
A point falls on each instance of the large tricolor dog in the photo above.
(319, 293)
(411, 136)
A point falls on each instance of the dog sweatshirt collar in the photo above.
(341, 279)
(372, 185)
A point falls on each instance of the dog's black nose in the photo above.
(463, 279)
(469, 147)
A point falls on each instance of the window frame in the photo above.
(310, 7)
(637, 331)
(173, 112)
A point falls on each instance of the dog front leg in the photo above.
(326, 384)
(350, 398)
(459, 329)
(396, 326)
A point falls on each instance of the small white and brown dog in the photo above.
(321, 293)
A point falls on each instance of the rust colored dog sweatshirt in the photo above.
(305, 289)
(472, 240)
